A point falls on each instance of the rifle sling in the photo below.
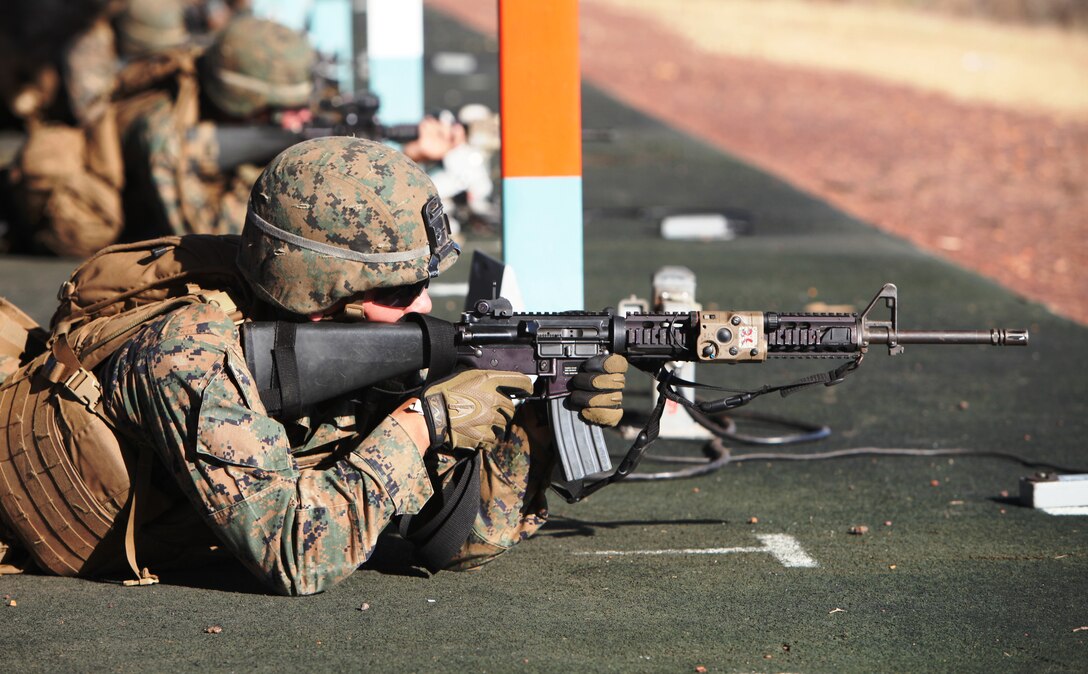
(439, 349)
(286, 370)
(579, 489)
(666, 381)
(829, 378)
(439, 536)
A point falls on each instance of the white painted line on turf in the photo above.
(783, 547)
(787, 550)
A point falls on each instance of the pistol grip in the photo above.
(581, 446)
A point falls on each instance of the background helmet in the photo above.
(256, 64)
(151, 26)
(332, 217)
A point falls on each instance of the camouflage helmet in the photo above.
(151, 26)
(332, 217)
(256, 64)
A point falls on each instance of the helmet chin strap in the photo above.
(439, 235)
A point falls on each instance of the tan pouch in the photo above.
(63, 476)
(74, 209)
(126, 276)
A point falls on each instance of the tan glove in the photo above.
(598, 389)
(466, 409)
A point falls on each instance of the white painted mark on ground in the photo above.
(783, 547)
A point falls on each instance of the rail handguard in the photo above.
(300, 365)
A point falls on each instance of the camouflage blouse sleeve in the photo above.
(192, 195)
(181, 385)
(153, 149)
(513, 480)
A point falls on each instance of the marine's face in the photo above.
(384, 305)
(384, 313)
(293, 119)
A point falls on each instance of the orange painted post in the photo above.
(541, 108)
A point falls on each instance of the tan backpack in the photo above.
(66, 482)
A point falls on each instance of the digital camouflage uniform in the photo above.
(176, 182)
(182, 386)
(254, 65)
(301, 501)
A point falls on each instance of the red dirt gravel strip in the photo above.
(1002, 192)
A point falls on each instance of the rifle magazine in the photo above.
(581, 446)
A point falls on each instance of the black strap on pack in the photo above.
(286, 385)
(444, 524)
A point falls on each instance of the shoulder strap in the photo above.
(80, 382)
(439, 535)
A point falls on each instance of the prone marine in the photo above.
(160, 448)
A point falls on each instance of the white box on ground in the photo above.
(1054, 491)
(674, 291)
(698, 227)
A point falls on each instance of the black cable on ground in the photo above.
(806, 432)
(725, 428)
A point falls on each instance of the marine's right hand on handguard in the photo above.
(471, 409)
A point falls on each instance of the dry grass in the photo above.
(1040, 68)
(1071, 14)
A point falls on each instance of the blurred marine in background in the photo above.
(58, 65)
(135, 129)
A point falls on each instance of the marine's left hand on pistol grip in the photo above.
(470, 409)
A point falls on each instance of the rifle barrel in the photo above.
(995, 337)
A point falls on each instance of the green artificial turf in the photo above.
(952, 575)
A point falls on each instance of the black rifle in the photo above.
(356, 116)
(299, 365)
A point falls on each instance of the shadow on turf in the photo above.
(565, 527)
(224, 575)
(392, 556)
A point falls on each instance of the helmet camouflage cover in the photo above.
(255, 64)
(150, 26)
(332, 217)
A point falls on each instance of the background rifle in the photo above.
(341, 116)
(300, 365)
(356, 115)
